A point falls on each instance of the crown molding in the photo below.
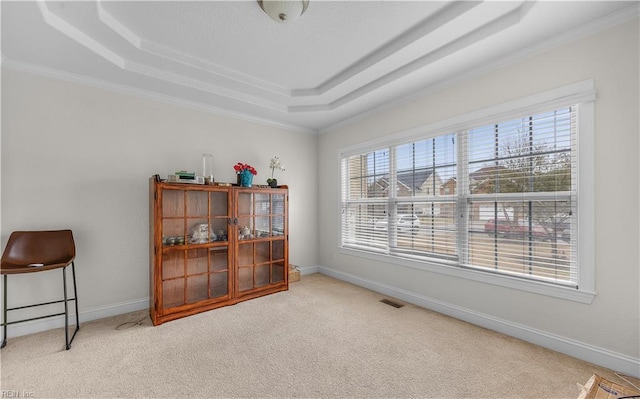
(80, 37)
(418, 31)
(85, 40)
(156, 49)
(490, 28)
(598, 25)
(137, 92)
(199, 85)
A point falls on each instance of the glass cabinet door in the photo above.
(219, 215)
(261, 235)
(195, 250)
(278, 215)
(172, 217)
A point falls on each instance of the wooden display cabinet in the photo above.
(214, 246)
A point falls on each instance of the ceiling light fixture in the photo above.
(284, 11)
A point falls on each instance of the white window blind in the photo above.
(500, 198)
(424, 211)
(521, 202)
(365, 192)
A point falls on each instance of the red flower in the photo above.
(241, 167)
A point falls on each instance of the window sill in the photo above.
(450, 269)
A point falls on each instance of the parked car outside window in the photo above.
(510, 228)
(405, 224)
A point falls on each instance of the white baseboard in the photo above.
(308, 269)
(34, 326)
(590, 353)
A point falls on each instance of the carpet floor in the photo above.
(323, 338)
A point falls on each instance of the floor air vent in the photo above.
(391, 303)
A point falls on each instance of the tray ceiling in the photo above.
(338, 61)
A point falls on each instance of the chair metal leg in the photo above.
(4, 314)
(75, 299)
(66, 300)
(66, 305)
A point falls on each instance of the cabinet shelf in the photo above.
(192, 277)
(213, 244)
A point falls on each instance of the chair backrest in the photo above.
(47, 247)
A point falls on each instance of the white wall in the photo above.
(606, 331)
(79, 157)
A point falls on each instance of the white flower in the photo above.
(276, 164)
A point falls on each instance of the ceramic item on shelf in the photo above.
(246, 178)
(200, 234)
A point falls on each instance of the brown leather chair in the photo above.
(38, 251)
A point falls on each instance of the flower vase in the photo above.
(273, 183)
(246, 178)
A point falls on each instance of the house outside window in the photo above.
(498, 198)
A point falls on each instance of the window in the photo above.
(521, 197)
(497, 198)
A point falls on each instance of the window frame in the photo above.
(580, 93)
